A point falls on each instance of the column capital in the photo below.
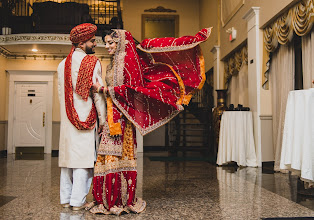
(254, 11)
(215, 49)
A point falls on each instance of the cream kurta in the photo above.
(77, 147)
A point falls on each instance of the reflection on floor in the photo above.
(29, 189)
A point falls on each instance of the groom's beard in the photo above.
(89, 50)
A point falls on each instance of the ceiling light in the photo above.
(34, 50)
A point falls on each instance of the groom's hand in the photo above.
(95, 87)
(100, 128)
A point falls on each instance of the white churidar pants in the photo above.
(74, 185)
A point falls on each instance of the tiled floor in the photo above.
(29, 189)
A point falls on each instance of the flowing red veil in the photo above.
(154, 80)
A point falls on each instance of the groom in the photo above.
(79, 111)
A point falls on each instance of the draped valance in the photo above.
(234, 63)
(299, 19)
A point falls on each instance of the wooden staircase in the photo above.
(192, 129)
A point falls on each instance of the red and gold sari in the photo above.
(147, 87)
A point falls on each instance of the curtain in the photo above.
(238, 88)
(234, 63)
(308, 59)
(281, 74)
(299, 20)
(244, 86)
(233, 91)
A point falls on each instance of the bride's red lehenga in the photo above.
(147, 87)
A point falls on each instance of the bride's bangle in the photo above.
(100, 89)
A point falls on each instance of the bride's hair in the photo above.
(110, 32)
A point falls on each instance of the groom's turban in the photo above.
(83, 32)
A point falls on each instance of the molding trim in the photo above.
(266, 117)
(60, 39)
(160, 9)
(44, 39)
(225, 21)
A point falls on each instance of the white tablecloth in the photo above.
(236, 141)
(297, 150)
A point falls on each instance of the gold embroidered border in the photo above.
(138, 207)
(180, 82)
(150, 128)
(118, 76)
(173, 48)
(114, 167)
(188, 97)
(118, 80)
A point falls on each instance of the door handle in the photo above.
(44, 114)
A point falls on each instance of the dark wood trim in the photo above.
(160, 9)
(155, 148)
(55, 153)
(268, 163)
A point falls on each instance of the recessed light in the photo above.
(34, 50)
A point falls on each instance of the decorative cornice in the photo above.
(60, 39)
(41, 57)
(160, 9)
(47, 39)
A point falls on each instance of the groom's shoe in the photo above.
(66, 205)
(78, 208)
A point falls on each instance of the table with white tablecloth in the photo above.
(297, 152)
(236, 140)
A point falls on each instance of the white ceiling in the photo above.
(45, 49)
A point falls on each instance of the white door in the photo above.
(30, 114)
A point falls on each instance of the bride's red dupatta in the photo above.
(153, 81)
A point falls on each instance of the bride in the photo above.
(145, 87)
